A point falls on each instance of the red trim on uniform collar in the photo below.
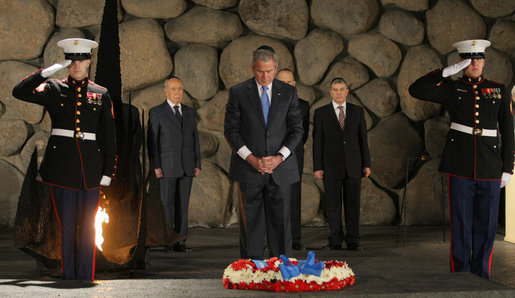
(473, 81)
(77, 83)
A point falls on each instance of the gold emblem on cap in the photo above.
(75, 42)
(474, 42)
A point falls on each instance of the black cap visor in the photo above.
(77, 56)
(472, 55)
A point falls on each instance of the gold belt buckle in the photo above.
(79, 135)
(478, 131)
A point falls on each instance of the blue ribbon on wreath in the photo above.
(307, 267)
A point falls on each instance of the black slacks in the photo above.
(175, 194)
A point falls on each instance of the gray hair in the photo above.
(264, 55)
(338, 81)
(172, 77)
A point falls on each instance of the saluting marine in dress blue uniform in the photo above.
(80, 155)
(478, 155)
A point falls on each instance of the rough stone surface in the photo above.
(391, 142)
(237, 56)
(11, 181)
(346, 17)
(54, 54)
(412, 5)
(306, 92)
(425, 191)
(13, 134)
(418, 61)
(157, 9)
(24, 28)
(377, 52)
(208, 144)
(212, 113)
(502, 35)
(78, 13)
(141, 64)
(204, 25)
(223, 155)
(217, 4)
(309, 201)
(435, 132)
(402, 26)
(494, 8)
(379, 97)
(12, 73)
(276, 18)
(377, 208)
(196, 65)
(209, 197)
(444, 28)
(314, 54)
(351, 70)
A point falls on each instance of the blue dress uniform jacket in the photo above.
(477, 103)
(83, 107)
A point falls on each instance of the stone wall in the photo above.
(378, 46)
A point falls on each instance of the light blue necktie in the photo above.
(265, 104)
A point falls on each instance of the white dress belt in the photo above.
(474, 131)
(72, 134)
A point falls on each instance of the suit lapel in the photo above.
(255, 101)
(276, 101)
(167, 111)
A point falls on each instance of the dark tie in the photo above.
(265, 104)
(178, 114)
(341, 117)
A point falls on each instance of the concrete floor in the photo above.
(386, 268)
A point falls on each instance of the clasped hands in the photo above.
(266, 164)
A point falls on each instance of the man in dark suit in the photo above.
(174, 155)
(286, 76)
(263, 127)
(341, 158)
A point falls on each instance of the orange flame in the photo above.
(100, 218)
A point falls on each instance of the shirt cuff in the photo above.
(285, 152)
(244, 152)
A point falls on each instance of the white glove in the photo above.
(455, 68)
(105, 181)
(55, 68)
(505, 179)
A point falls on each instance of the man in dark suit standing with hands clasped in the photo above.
(263, 127)
(341, 158)
(174, 155)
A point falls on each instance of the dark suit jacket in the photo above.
(245, 125)
(174, 149)
(299, 151)
(338, 152)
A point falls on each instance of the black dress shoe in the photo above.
(332, 247)
(354, 246)
(298, 246)
(181, 248)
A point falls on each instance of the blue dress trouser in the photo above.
(473, 211)
(76, 210)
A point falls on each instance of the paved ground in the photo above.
(386, 268)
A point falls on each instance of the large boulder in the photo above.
(306, 92)
(427, 197)
(494, 8)
(377, 207)
(412, 5)
(276, 18)
(12, 73)
(444, 27)
(155, 9)
(209, 197)
(11, 181)
(236, 58)
(391, 143)
(204, 25)
(141, 64)
(13, 134)
(208, 144)
(197, 66)
(383, 105)
(79, 13)
(37, 141)
(217, 4)
(314, 53)
(377, 52)
(435, 132)
(24, 28)
(223, 155)
(419, 60)
(54, 54)
(502, 35)
(212, 113)
(346, 17)
(402, 26)
(351, 70)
